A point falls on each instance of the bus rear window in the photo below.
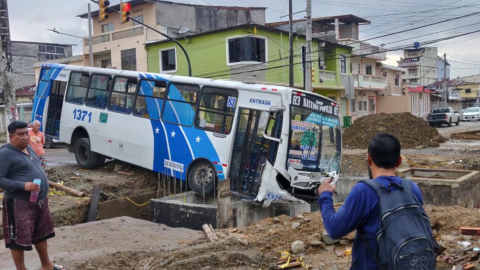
(217, 109)
(77, 87)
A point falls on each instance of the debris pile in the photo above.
(412, 131)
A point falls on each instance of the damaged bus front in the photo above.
(309, 151)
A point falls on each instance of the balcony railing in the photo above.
(117, 35)
(368, 81)
(365, 49)
(327, 75)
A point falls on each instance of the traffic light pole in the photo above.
(172, 39)
(90, 43)
(155, 30)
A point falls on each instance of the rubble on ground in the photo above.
(412, 131)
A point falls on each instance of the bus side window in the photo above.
(98, 91)
(77, 87)
(123, 94)
(181, 104)
(217, 109)
(150, 99)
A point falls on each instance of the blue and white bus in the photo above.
(273, 142)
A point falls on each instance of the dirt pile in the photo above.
(412, 131)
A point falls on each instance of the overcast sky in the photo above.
(30, 20)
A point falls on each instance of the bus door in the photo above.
(251, 150)
(54, 109)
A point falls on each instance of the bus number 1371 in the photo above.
(80, 115)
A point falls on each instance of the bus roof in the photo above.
(258, 87)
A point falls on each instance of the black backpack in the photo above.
(404, 236)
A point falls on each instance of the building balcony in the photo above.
(365, 49)
(412, 76)
(366, 82)
(106, 39)
(408, 64)
(327, 75)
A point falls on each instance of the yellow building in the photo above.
(470, 94)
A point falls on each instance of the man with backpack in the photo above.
(393, 230)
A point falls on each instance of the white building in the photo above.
(422, 65)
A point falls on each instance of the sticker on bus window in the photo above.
(231, 102)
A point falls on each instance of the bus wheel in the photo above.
(202, 176)
(85, 158)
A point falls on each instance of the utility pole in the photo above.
(6, 64)
(90, 44)
(445, 102)
(308, 52)
(290, 41)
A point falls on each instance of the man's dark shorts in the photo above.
(26, 223)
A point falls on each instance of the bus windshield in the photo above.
(315, 139)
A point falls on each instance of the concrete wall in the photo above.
(393, 104)
(460, 188)
(205, 18)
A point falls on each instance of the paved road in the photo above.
(464, 126)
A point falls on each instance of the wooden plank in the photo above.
(224, 207)
(291, 265)
(469, 231)
(124, 207)
(93, 209)
(468, 266)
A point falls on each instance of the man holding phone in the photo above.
(25, 223)
(361, 209)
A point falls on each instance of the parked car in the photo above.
(440, 116)
(471, 114)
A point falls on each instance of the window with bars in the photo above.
(343, 64)
(51, 52)
(217, 109)
(129, 59)
(138, 18)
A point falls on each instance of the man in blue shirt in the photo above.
(360, 210)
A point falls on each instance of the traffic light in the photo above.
(125, 8)
(313, 74)
(103, 5)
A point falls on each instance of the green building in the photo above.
(253, 53)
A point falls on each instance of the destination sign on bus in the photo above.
(314, 103)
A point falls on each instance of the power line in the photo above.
(423, 26)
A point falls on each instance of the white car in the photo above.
(471, 114)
